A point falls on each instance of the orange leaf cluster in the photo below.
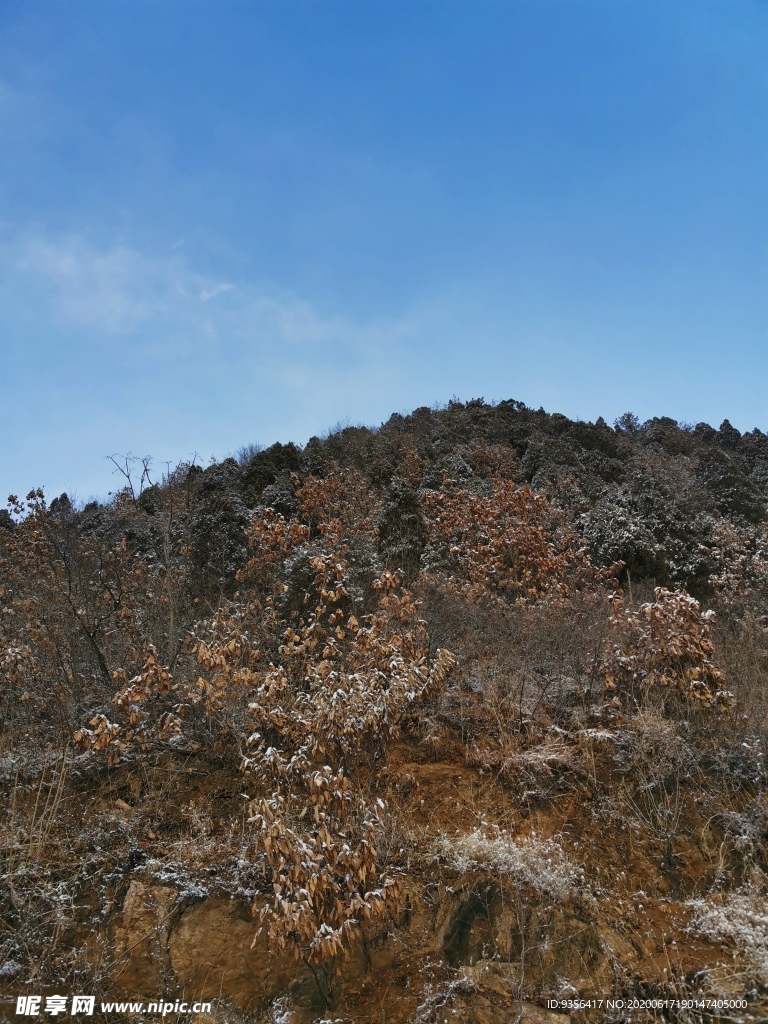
(666, 642)
(338, 507)
(322, 884)
(507, 544)
(140, 728)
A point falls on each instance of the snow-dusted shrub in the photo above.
(666, 642)
(617, 532)
(540, 864)
(741, 918)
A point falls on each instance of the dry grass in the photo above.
(541, 865)
(741, 920)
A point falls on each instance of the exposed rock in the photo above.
(140, 939)
(213, 954)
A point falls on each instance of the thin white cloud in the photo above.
(108, 291)
(157, 357)
(161, 304)
(207, 294)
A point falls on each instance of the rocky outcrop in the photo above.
(215, 951)
(139, 937)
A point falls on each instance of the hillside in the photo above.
(435, 722)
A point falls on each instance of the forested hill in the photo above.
(651, 495)
(435, 721)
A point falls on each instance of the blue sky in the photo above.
(227, 221)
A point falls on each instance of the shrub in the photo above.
(324, 885)
(667, 642)
(540, 864)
